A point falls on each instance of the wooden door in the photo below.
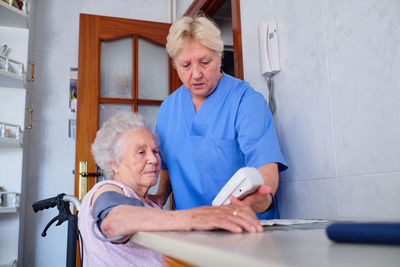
(115, 74)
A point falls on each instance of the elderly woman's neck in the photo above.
(142, 194)
(140, 191)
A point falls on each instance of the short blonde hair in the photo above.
(198, 28)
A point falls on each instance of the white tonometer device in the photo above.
(244, 182)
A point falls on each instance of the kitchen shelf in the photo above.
(11, 264)
(14, 136)
(9, 78)
(13, 17)
(10, 142)
(11, 202)
(8, 209)
(14, 33)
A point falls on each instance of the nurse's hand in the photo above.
(232, 218)
(260, 200)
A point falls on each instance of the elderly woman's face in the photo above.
(198, 68)
(140, 164)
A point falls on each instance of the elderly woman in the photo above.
(213, 125)
(127, 151)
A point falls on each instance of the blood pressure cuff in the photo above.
(108, 200)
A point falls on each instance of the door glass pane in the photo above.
(152, 71)
(116, 68)
(149, 113)
(106, 111)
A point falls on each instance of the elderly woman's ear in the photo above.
(114, 167)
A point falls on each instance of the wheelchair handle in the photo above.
(47, 203)
(74, 200)
(53, 201)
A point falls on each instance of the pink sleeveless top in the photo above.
(98, 253)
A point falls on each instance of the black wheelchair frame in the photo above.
(62, 202)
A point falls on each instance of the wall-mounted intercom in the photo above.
(269, 56)
(268, 47)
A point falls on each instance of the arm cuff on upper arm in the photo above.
(108, 200)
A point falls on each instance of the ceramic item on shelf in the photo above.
(3, 52)
(18, 4)
(2, 197)
(9, 199)
(7, 133)
(2, 130)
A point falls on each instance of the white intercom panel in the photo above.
(268, 47)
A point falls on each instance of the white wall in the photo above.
(338, 103)
(54, 48)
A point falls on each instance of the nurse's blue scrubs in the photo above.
(232, 129)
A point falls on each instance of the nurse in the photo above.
(213, 125)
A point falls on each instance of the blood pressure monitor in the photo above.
(244, 182)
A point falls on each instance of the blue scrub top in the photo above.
(232, 129)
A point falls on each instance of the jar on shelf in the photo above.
(7, 132)
(2, 130)
(2, 197)
(9, 199)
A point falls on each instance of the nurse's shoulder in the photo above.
(240, 89)
(173, 99)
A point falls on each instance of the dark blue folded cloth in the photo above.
(366, 232)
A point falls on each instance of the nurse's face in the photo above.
(198, 68)
(140, 164)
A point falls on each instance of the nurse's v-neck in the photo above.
(196, 123)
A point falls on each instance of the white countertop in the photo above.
(276, 246)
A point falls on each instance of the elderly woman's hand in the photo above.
(235, 218)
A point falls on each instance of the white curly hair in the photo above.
(108, 146)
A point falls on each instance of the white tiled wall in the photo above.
(370, 196)
(338, 104)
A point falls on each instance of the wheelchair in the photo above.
(62, 202)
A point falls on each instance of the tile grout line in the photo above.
(330, 103)
(339, 177)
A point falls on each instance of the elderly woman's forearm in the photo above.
(127, 220)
